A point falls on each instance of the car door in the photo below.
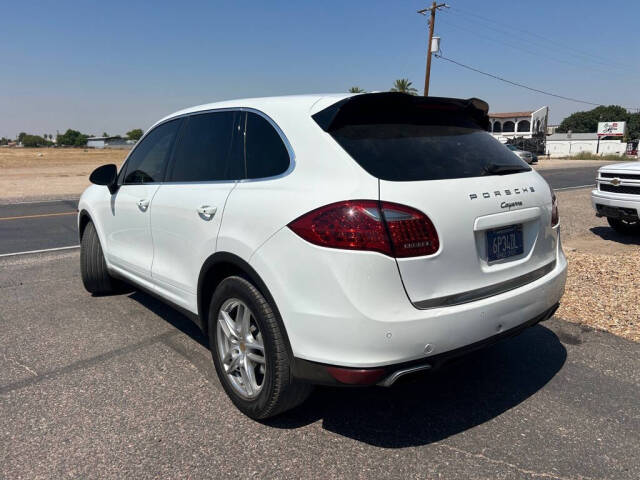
(188, 208)
(129, 246)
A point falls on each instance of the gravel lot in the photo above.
(603, 286)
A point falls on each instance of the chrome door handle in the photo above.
(207, 211)
(143, 204)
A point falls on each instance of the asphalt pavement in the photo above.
(563, 178)
(38, 225)
(43, 225)
(124, 387)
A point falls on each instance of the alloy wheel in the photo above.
(240, 348)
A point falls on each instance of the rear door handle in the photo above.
(207, 211)
(143, 204)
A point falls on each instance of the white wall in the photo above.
(539, 119)
(567, 148)
(95, 143)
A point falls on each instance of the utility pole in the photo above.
(432, 21)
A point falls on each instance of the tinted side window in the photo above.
(147, 162)
(265, 152)
(206, 150)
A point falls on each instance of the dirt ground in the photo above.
(603, 285)
(551, 163)
(48, 173)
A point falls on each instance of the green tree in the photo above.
(4, 141)
(72, 138)
(633, 126)
(587, 121)
(21, 135)
(403, 85)
(356, 90)
(105, 134)
(135, 134)
(33, 141)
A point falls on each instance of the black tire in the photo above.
(624, 227)
(280, 391)
(95, 277)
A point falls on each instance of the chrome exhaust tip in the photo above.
(391, 379)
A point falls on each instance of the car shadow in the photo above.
(423, 408)
(608, 233)
(433, 406)
(171, 316)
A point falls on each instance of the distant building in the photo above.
(528, 124)
(109, 142)
(568, 144)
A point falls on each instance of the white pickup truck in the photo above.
(617, 196)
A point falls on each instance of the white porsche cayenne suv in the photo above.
(328, 239)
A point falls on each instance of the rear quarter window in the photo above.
(265, 152)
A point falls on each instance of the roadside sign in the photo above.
(611, 129)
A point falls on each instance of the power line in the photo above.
(515, 83)
(578, 59)
(519, 31)
(524, 50)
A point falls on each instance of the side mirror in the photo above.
(105, 175)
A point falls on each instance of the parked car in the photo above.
(617, 196)
(523, 154)
(337, 239)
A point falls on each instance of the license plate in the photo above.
(504, 242)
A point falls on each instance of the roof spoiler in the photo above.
(359, 108)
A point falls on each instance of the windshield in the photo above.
(410, 152)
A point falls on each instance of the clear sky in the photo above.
(112, 66)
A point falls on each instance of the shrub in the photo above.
(594, 156)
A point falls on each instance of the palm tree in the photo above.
(356, 90)
(403, 85)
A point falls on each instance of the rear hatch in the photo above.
(491, 211)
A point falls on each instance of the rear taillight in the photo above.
(389, 228)
(412, 233)
(555, 216)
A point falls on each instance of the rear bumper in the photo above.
(618, 206)
(319, 374)
(350, 309)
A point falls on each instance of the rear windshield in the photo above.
(413, 151)
(395, 136)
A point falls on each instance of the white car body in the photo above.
(618, 190)
(340, 307)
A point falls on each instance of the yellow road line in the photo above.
(39, 216)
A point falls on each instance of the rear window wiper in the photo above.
(498, 169)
